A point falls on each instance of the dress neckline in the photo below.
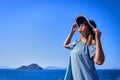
(81, 42)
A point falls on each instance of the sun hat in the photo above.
(83, 19)
(93, 23)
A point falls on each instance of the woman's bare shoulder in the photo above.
(93, 41)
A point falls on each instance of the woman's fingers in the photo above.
(74, 27)
(97, 32)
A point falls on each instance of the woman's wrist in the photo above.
(71, 32)
(97, 39)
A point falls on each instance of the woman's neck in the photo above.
(83, 38)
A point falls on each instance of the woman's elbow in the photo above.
(100, 62)
(66, 46)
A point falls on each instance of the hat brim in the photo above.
(81, 19)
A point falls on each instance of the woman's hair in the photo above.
(91, 35)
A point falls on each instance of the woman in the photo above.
(84, 52)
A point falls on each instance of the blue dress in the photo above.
(81, 65)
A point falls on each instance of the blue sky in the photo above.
(33, 31)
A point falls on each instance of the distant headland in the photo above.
(32, 66)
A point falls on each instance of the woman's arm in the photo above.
(99, 56)
(69, 37)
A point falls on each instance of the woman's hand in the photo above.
(97, 33)
(74, 28)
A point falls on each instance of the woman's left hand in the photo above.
(97, 33)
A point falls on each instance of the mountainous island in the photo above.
(30, 67)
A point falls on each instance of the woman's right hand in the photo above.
(68, 39)
(74, 28)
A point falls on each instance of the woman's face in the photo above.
(83, 28)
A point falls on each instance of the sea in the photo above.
(52, 74)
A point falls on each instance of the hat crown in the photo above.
(81, 19)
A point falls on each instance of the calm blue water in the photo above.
(12, 74)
